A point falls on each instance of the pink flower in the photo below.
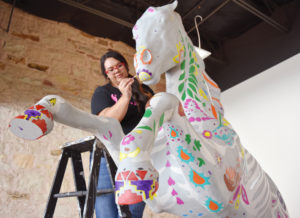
(207, 134)
(127, 139)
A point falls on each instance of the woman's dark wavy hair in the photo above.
(139, 94)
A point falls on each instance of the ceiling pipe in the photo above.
(97, 12)
(249, 8)
(261, 15)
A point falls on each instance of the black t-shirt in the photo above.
(107, 95)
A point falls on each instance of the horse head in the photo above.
(153, 51)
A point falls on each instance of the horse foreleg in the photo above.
(136, 178)
(38, 121)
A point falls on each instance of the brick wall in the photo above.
(40, 57)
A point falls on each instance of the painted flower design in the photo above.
(207, 134)
(32, 113)
(144, 71)
(218, 159)
(144, 75)
(110, 135)
(127, 139)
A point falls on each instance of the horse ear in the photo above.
(174, 5)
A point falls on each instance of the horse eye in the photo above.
(146, 56)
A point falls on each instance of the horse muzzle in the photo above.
(144, 75)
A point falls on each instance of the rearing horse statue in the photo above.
(183, 157)
(196, 156)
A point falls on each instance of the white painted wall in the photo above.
(265, 112)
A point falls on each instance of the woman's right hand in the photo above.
(125, 87)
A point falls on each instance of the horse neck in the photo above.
(172, 80)
(181, 79)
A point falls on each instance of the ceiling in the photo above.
(223, 21)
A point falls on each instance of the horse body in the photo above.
(203, 168)
(183, 157)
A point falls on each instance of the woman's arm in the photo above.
(119, 109)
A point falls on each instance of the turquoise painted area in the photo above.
(191, 158)
(216, 206)
(198, 179)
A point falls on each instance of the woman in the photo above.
(124, 99)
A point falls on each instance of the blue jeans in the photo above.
(105, 206)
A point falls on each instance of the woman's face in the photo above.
(115, 70)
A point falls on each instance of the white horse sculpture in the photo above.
(183, 157)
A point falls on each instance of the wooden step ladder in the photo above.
(86, 195)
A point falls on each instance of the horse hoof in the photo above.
(36, 122)
(134, 186)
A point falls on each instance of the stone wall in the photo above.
(40, 57)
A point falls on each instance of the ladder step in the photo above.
(105, 191)
(81, 193)
(70, 194)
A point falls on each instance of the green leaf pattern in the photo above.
(145, 127)
(196, 147)
(192, 80)
(182, 65)
(182, 76)
(189, 92)
(161, 120)
(193, 87)
(188, 138)
(180, 87)
(183, 96)
(189, 83)
(201, 161)
(148, 113)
